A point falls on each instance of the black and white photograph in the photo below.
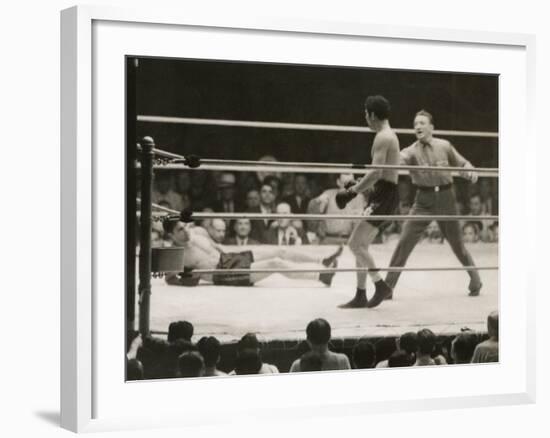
(286, 218)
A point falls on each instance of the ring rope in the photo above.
(300, 126)
(396, 217)
(457, 171)
(388, 217)
(336, 270)
(308, 167)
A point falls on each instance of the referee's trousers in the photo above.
(432, 203)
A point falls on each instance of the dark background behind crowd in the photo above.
(305, 94)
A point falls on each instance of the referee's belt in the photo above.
(434, 188)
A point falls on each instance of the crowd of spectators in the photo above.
(264, 192)
(179, 356)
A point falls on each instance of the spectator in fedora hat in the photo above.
(227, 202)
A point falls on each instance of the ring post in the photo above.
(144, 290)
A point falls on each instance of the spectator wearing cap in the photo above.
(407, 343)
(209, 348)
(463, 346)
(363, 355)
(487, 351)
(248, 343)
(227, 202)
(318, 334)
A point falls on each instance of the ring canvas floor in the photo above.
(278, 308)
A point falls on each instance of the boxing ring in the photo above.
(278, 308)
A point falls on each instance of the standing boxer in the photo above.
(383, 200)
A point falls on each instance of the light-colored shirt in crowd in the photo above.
(330, 361)
(266, 368)
(383, 364)
(486, 351)
(326, 203)
(171, 197)
(424, 361)
(438, 153)
(288, 236)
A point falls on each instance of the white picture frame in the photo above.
(83, 368)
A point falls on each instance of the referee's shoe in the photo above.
(381, 292)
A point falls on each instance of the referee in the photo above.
(434, 196)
